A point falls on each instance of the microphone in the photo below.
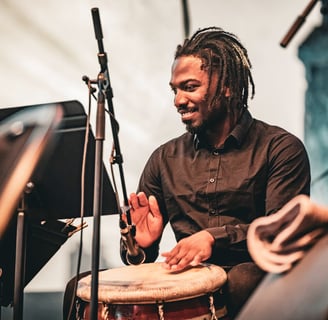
(134, 254)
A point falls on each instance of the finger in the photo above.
(197, 260)
(168, 256)
(178, 266)
(171, 260)
(182, 264)
(165, 254)
(154, 208)
(178, 258)
(142, 198)
(134, 202)
(170, 266)
(172, 255)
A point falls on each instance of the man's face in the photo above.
(193, 94)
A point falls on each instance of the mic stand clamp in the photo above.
(134, 254)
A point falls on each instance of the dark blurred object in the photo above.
(42, 241)
(39, 187)
(24, 139)
(301, 293)
(56, 193)
(279, 241)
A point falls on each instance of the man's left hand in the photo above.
(189, 251)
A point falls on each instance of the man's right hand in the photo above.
(147, 218)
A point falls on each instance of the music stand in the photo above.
(56, 192)
(43, 240)
(23, 140)
(25, 137)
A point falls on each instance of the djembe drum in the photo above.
(148, 291)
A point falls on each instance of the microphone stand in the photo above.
(105, 93)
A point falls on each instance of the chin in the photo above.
(193, 129)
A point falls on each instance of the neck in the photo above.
(218, 133)
(217, 137)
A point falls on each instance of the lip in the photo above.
(187, 114)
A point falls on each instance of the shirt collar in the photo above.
(236, 136)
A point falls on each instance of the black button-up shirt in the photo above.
(257, 170)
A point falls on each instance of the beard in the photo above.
(199, 129)
(216, 116)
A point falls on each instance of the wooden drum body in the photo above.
(148, 291)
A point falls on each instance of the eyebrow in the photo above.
(183, 82)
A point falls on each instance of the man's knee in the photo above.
(242, 280)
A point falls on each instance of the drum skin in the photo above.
(148, 291)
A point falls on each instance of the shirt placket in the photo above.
(212, 186)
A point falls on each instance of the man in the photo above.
(226, 170)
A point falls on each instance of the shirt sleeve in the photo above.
(288, 176)
(289, 172)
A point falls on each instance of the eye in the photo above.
(190, 87)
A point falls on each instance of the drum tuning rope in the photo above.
(212, 307)
(160, 308)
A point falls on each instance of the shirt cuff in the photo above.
(220, 235)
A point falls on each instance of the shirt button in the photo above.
(212, 180)
(212, 212)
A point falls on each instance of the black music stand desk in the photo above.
(56, 194)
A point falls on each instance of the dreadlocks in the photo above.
(222, 52)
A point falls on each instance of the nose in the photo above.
(180, 99)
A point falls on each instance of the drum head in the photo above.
(150, 283)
